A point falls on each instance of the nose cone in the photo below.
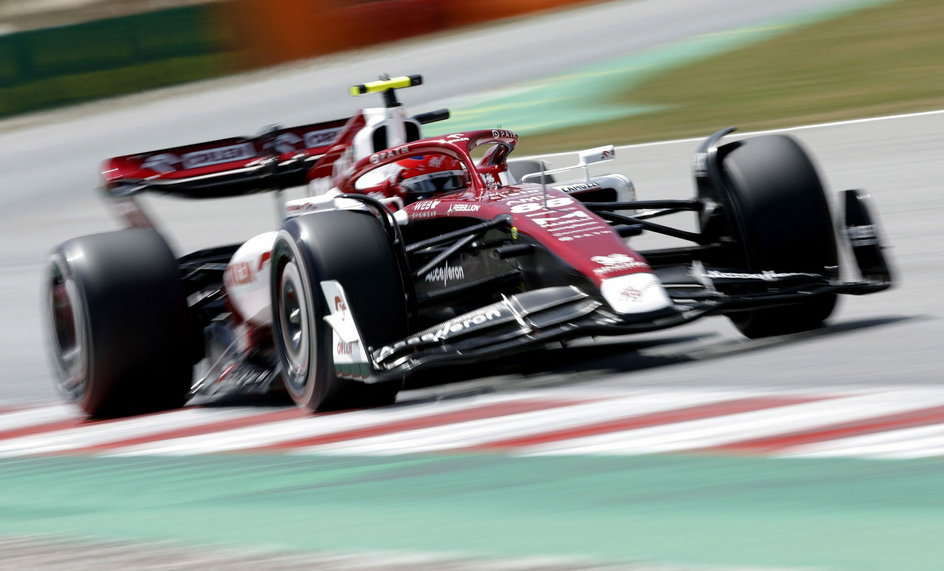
(635, 293)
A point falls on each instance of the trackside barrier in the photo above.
(69, 64)
(304, 28)
(55, 66)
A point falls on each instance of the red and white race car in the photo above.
(408, 253)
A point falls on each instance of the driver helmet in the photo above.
(424, 176)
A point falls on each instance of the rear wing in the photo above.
(278, 158)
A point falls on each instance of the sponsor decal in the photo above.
(426, 205)
(862, 235)
(615, 263)
(241, 273)
(321, 137)
(457, 325)
(503, 133)
(525, 195)
(284, 143)
(632, 294)
(210, 157)
(559, 220)
(162, 163)
(635, 293)
(440, 332)
(446, 273)
(238, 273)
(463, 208)
(383, 155)
(536, 203)
(490, 180)
(766, 275)
(340, 307)
(567, 238)
(579, 187)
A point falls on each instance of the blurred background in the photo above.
(56, 52)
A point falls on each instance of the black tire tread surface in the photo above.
(135, 307)
(784, 224)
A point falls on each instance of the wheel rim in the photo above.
(294, 327)
(70, 350)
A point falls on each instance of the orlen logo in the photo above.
(340, 307)
(219, 155)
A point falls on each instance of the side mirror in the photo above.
(597, 155)
(586, 158)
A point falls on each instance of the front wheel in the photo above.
(335, 277)
(777, 213)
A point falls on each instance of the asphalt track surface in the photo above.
(890, 339)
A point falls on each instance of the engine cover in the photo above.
(247, 280)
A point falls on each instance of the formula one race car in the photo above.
(408, 253)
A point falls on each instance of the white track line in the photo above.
(99, 433)
(272, 433)
(475, 432)
(37, 416)
(765, 132)
(733, 428)
(912, 442)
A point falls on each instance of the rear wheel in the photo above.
(118, 324)
(777, 213)
(312, 253)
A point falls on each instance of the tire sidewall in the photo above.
(350, 247)
(308, 384)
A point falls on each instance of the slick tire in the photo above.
(778, 213)
(117, 319)
(351, 248)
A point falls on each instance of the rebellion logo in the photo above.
(463, 208)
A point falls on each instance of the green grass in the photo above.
(882, 60)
